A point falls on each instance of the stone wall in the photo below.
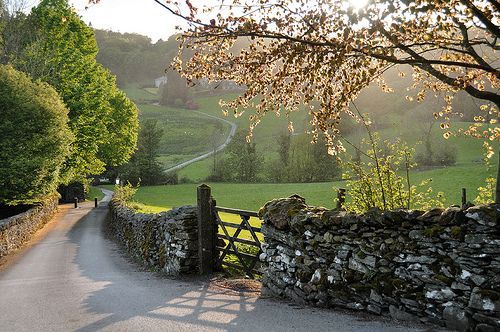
(167, 241)
(442, 266)
(16, 230)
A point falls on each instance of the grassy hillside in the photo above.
(186, 134)
(189, 133)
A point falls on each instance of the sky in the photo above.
(140, 16)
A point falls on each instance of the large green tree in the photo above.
(58, 48)
(35, 138)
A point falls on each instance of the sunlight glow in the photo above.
(358, 4)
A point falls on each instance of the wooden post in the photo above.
(95, 202)
(206, 243)
(76, 202)
(464, 197)
(340, 198)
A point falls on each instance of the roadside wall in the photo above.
(167, 241)
(16, 230)
(442, 266)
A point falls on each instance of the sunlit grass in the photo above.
(253, 196)
(94, 192)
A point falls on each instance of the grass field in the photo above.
(188, 134)
(139, 95)
(93, 193)
(253, 196)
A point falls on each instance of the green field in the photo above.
(253, 196)
(138, 95)
(188, 134)
(94, 192)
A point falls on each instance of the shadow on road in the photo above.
(127, 298)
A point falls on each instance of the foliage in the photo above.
(301, 161)
(486, 193)
(241, 163)
(132, 57)
(175, 92)
(121, 135)
(382, 180)
(35, 138)
(125, 193)
(55, 46)
(445, 154)
(325, 53)
(144, 166)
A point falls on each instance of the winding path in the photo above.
(233, 125)
(73, 278)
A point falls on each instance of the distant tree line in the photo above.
(297, 161)
(133, 58)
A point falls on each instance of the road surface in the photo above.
(73, 278)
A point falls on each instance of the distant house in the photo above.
(160, 81)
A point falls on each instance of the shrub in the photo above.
(125, 193)
(191, 105)
(35, 138)
(486, 193)
(382, 179)
(443, 155)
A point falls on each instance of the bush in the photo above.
(486, 193)
(124, 194)
(443, 155)
(35, 138)
(170, 178)
(191, 105)
(301, 161)
(383, 180)
(241, 162)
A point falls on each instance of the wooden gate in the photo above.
(224, 243)
(236, 243)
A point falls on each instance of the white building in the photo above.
(160, 81)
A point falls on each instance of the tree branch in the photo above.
(480, 15)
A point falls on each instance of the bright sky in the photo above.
(145, 17)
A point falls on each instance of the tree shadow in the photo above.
(126, 297)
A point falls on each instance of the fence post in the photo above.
(206, 241)
(95, 202)
(464, 197)
(76, 202)
(340, 198)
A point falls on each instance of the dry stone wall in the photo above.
(441, 266)
(16, 230)
(167, 241)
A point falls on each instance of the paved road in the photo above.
(75, 279)
(208, 154)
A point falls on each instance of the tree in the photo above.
(144, 167)
(322, 53)
(35, 138)
(175, 92)
(58, 48)
(241, 163)
(301, 161)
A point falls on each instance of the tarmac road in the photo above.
(73, 278)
